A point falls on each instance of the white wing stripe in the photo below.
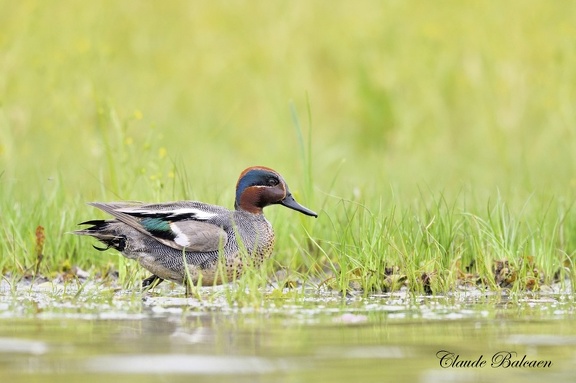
(198, 214)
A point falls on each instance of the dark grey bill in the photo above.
(290, 202)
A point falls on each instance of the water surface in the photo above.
(51, 334)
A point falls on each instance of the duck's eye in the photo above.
(272, 182)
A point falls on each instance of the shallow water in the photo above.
(51, 333)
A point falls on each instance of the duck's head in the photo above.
(259, 186)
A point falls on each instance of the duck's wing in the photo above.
(186, 225)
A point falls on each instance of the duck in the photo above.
(196, 243)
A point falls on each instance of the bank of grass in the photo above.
(436, 141)
(443, 247)
(360, 245)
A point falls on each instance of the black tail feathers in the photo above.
(102, 231)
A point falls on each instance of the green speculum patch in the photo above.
(158, 227)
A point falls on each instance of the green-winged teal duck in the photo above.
(160, 236)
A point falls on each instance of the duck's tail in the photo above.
(105, 232)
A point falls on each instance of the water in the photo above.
(50, 334)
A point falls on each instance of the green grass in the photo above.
(435, 139)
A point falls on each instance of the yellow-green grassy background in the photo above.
(111, 99)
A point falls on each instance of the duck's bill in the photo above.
(290, 202)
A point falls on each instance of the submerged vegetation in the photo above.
(436, 141)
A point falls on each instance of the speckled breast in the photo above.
(248, 247)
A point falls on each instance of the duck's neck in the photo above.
(249, 202)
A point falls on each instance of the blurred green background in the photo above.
(111, 100)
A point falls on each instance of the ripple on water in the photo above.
(181, 364)
(22, 346)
